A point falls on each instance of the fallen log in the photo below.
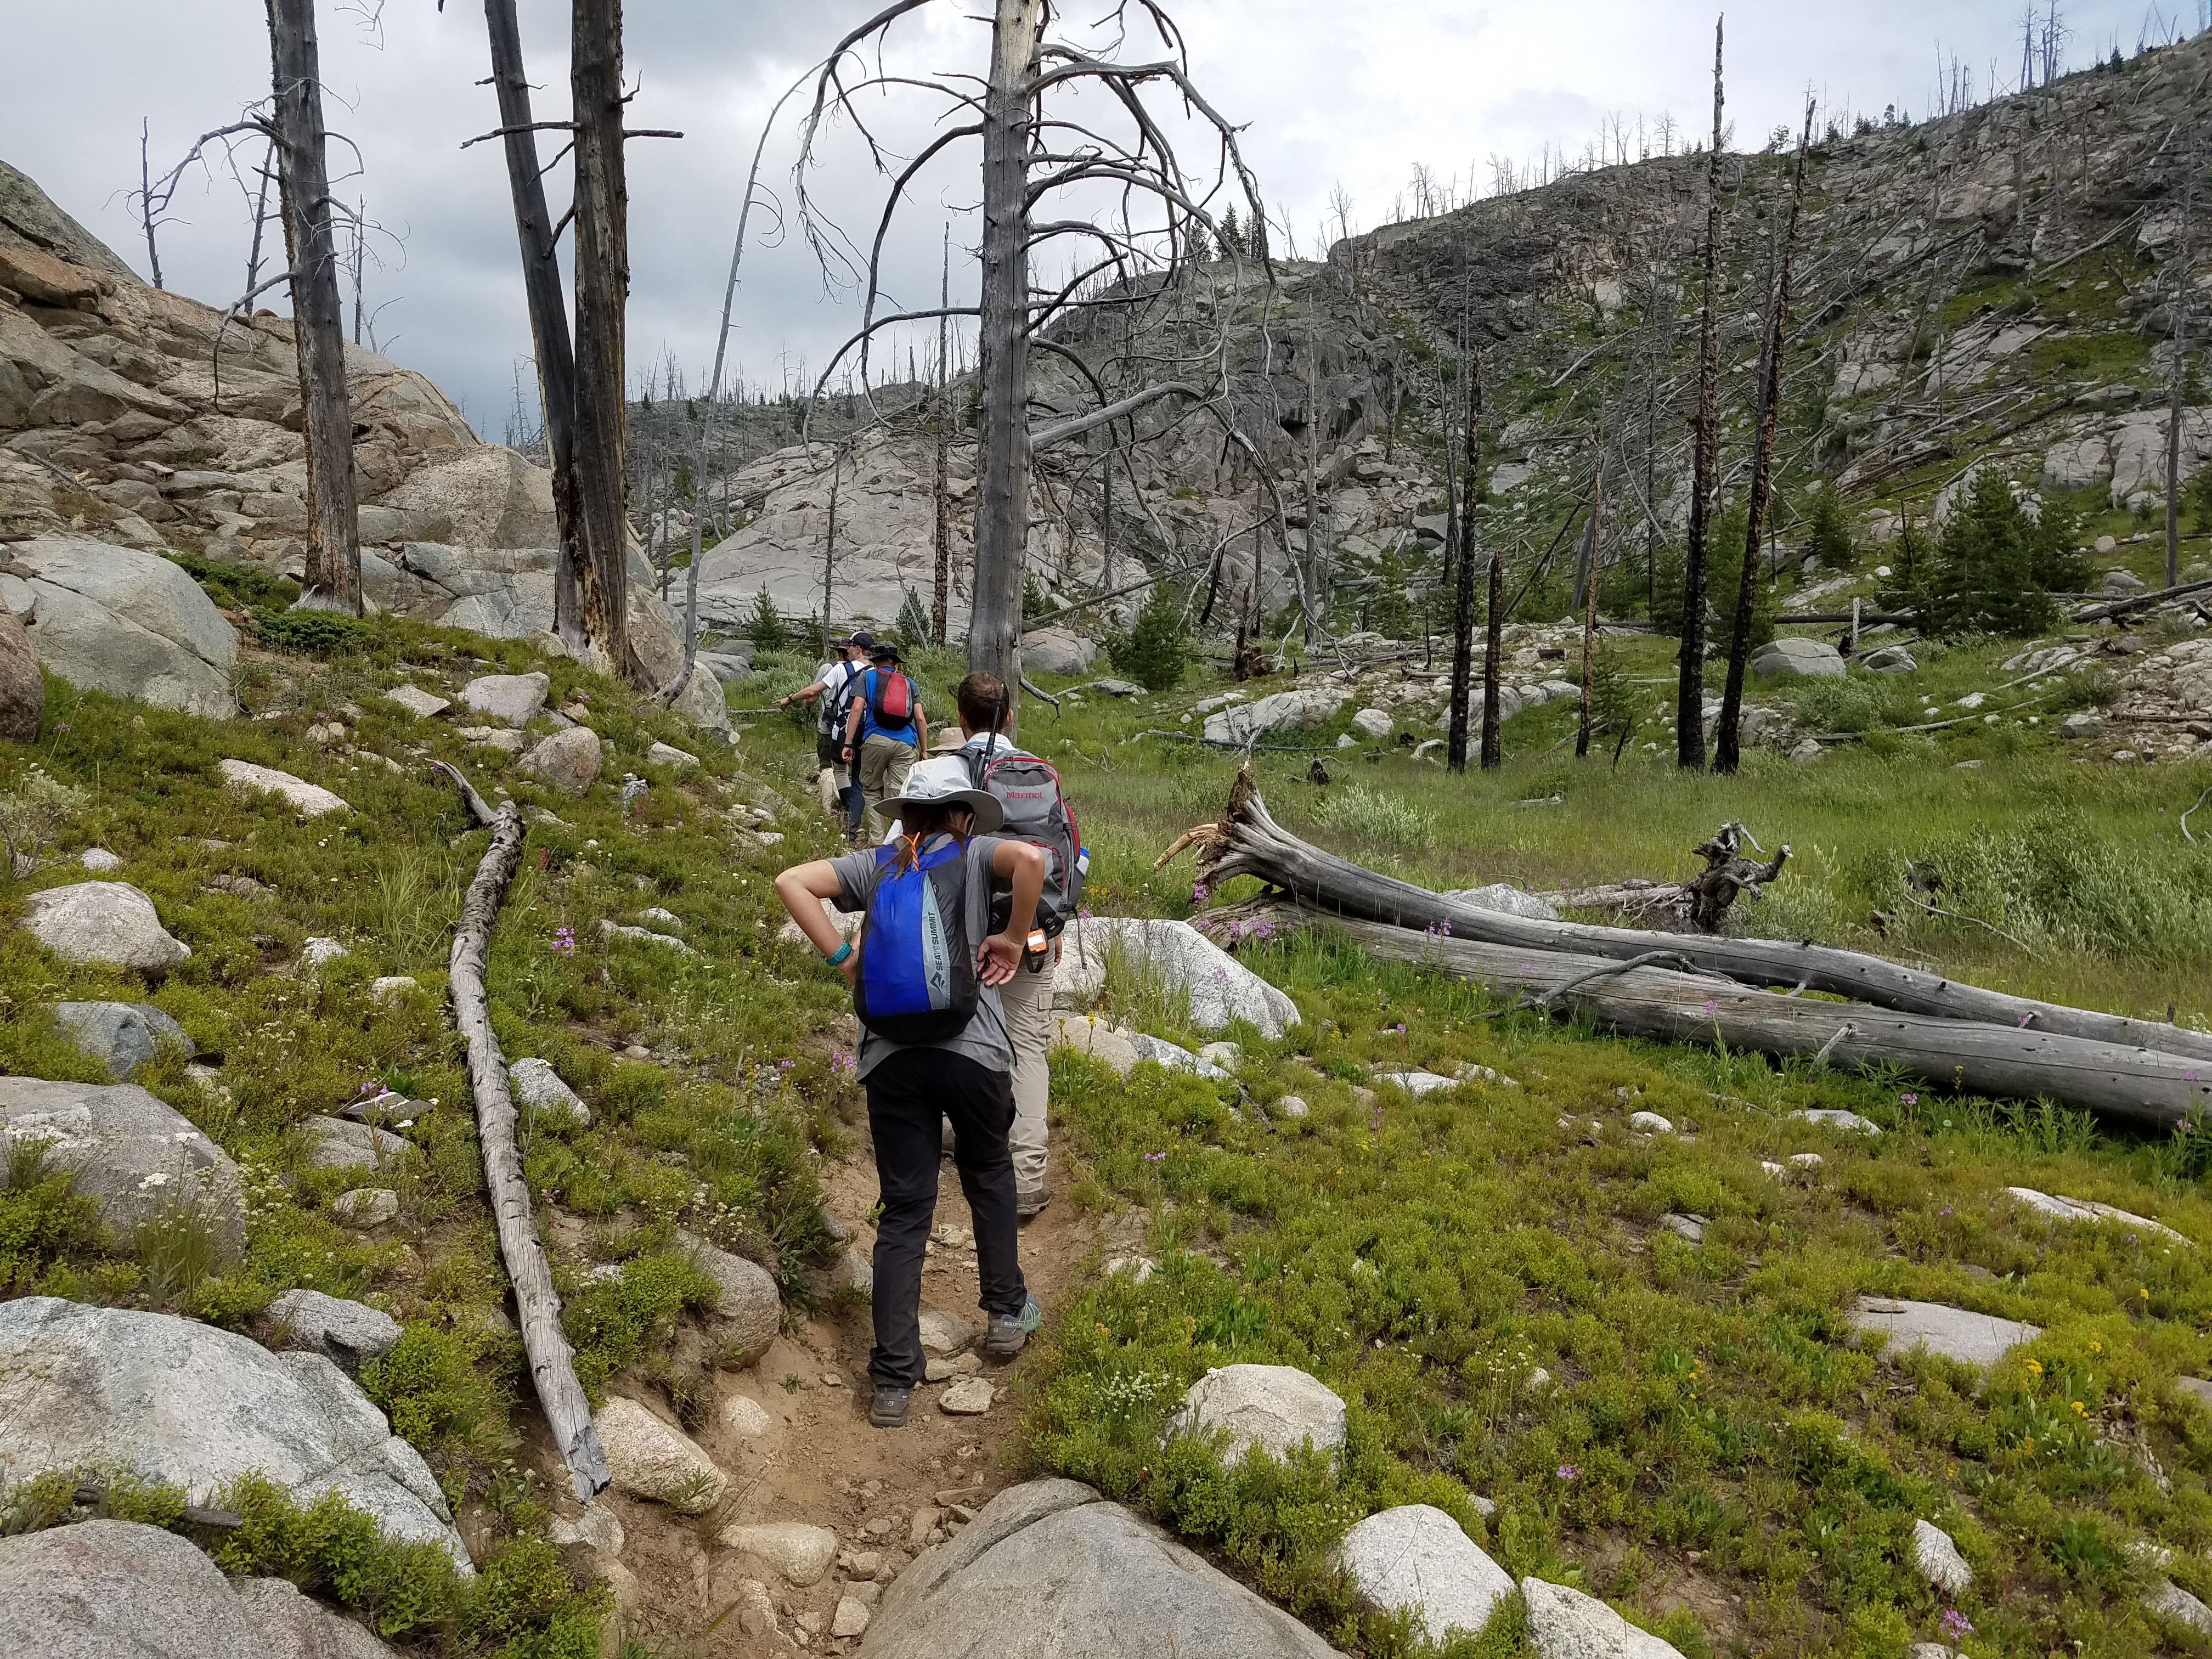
(552, 1361)
(1247, 841)
(2139, 1086)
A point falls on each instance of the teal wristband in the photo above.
(840, 954)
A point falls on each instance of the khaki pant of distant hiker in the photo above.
(1026, 1002)
(884, 762)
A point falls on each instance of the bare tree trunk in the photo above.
(1690, 697)
(1493, 625)
(145, 205)
(552, 1362)
(260, 222)
(549, 309)
(1002, 494)
(1588, 580)
(941, 591)
(830, 540)
(317, 314)
(602, 259)
(2180, 354)
(1463, 670)
(1727, 753)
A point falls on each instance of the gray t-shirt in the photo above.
(984, 1038)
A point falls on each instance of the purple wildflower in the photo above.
(1910, 1099)
(1156, 1158)
(1955, 1624)
(564, 940)
(1570, 1472)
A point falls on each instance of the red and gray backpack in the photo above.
(1027, 788)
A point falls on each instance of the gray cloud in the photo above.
(1329, 91)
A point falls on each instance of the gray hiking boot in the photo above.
(1029, 1201)
(1007, 1334)
(890, 1408)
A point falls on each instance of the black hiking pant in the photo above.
(910, 1094)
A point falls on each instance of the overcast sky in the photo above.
(1328, 92)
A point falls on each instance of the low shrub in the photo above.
(323, 634)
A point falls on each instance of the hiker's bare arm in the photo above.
(802, 888)
(852, 725)
(999, 956)
(920, 732)
(806, 695)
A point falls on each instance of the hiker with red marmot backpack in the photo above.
(1028, 791)
(885, 731)
(927, 973)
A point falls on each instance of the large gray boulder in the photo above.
(349, 1334)
(1248, 722)
(1177, 956)
(1049, 1571)
(1273, 1409)
(749, 1308)
(296, 1626)
(1972, 1339)
(173, 1400)
(22, 691)
(110, 923)
(1057, 651)
(1803, 658)
(1499, 896)
(539, 1089)
(136, 1157)
(102, 1590)
(510, 699)
(1565, 1623)
(120, 1036)
(568, 760)
(309, 800)
(113, 619)
(703, 701)
(1416, 1560)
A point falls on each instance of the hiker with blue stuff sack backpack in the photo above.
(925, 971)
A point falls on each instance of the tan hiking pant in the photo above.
(885, 761)
(1026, 1002)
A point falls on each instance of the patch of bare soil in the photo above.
(887, 1494)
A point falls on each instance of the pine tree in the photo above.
(1828, 534)
(1232, 235)
(1982, 579)
(1155, 652)
(764, 628)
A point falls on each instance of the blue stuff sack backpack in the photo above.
(916, 981)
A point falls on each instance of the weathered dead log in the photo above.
(552, 1361)
(1247, 841)
(2136, 1085)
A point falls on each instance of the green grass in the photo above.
(1424, 1258)
(719, 1129)
(1711, 1435)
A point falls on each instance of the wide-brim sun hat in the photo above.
(945, 783)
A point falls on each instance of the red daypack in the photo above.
(890, 696)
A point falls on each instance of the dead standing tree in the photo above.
(317, 314)
(1034, 158)
(549, 311)
(1690, 711)
(592, 586)
(1725, 750)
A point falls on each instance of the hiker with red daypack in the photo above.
(1034, 810)
(928, 972)
(885, 731)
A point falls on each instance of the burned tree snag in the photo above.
(549, 311)
(602, 259)
(1462, 671)
(1726, 751)
(1002, 494)
(1690, 697)
(317, 314)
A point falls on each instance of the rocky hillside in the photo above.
(138, 420)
